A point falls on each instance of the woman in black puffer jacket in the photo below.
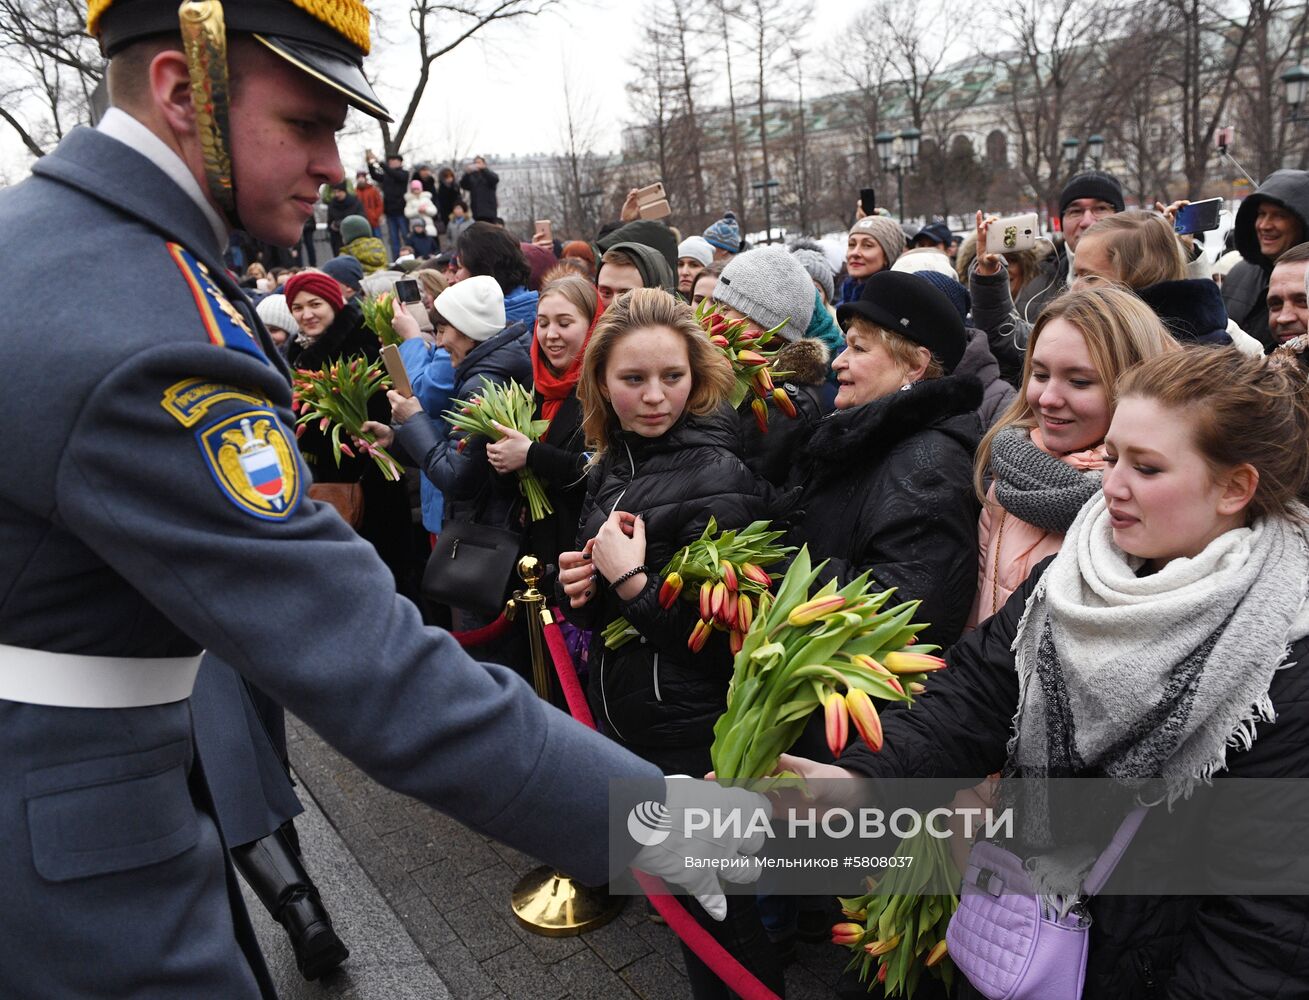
(652, 490)
(654, 393)
(888, 477)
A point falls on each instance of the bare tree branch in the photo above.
(425, 18)
(23, 134)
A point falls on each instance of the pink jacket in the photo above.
(1008, 547)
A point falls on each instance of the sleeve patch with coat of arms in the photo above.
(223, 323)
(253, 460)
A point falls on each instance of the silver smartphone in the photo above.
(1013, 233)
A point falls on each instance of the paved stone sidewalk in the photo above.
(450, 887)
(384, 964)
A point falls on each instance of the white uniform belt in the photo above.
(66, 680)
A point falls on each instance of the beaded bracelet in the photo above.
(634, 571)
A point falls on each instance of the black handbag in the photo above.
(471, 566)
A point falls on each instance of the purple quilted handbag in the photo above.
(1012, 944)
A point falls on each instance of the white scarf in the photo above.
(1154, 677)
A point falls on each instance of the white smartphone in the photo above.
(396, 369)
(1013, 233)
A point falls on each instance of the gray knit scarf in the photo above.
(1149, 679)
(1034, 485)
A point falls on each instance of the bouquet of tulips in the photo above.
(377, 317)
(751, 362)
(509, 405)
(725, 575)
(337, 397)
(899, 927)
(838, 648)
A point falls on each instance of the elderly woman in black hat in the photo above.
(888, 476)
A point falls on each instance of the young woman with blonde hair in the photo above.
(1040, 464)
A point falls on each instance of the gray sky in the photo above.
(501, 92)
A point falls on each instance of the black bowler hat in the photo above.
(326, 39)
(914, 308)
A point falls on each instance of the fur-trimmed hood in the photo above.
(867, 432)
(1192, 309)
(806, 360)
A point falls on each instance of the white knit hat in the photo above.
(475, 307)
(913, 261)
(273, 310)
(698, 249)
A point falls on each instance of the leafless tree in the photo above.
(1199, 64)
(682, 24)
(653, 98)
(580, 174)
(668, 97)
(798, 148)
(721, 12)
(1050, 63)
(1264, 132)
(770, 30)
(922, 40)
(50, 68)
(867, 66)
(1144, 139)
(441, 28)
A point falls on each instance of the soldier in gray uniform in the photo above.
(154, 505)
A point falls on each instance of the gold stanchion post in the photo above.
(545, 901)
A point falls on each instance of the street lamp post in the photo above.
(767, 188)
(898, 163)
(1095, 147)
(1296, 80)
(1072, 146)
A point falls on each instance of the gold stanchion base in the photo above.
(553, 905)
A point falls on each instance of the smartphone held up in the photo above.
(410, 296)
(1013, 233)
(1198, 217)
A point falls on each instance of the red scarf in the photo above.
(554, 389)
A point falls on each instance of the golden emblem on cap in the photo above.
(348, 18)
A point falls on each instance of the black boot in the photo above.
(272, 868)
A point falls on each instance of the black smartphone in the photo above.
(406, 290)
(1198, 217)
(868, 200)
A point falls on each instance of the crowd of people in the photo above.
(1083, 430)
(1087, 462)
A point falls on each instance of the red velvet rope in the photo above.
(487, 633)
(568, 682)
(735, 976)
(722, 964)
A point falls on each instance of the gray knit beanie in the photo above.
(769, 286)
(887, 233)
(816, 264)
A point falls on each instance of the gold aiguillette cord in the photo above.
(204, 38)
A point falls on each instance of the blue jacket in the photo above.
(159, 510)
(520, 307)
(472, 489)
(433, 379)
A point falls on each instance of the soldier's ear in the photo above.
(170, 91)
